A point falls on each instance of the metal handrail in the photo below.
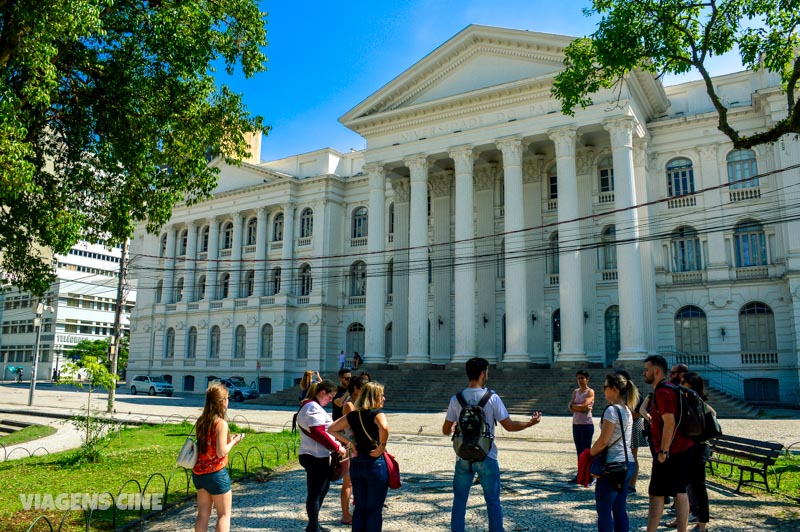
(723, 379)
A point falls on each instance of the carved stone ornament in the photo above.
(202, 324)
(147, 328)
(532, 168)
(709, 152)
(314, 319)
(159, 326)
(133, 327)
(720, 302)
(483, 178)
(279, 319)
(585, 160)
(440, 184)
(401, 190)
(226, 323)
(251, 320)
(180, 326)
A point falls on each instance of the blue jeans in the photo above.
(370, 480)
(582, 436)
(489, 474)
(317, 484)
(612, 512)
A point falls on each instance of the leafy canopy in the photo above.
(109, 113)
(676, 36)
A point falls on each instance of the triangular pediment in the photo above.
(479, 58)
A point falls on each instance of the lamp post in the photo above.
(37, 324)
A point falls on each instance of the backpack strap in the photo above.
(461, 400)
(485, 398)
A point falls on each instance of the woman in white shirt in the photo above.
(611, 500)
(316, 446)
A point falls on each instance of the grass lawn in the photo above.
(133, 457)
(34, 432)
(787, 467)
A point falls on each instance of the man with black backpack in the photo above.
(473, 413)
(671, 448)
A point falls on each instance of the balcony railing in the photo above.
(278, 244)
(239, 303)
(752, 272)
(267, 300)
(681, 202)
(304, 242)
(749, 359)
(357, 300)
(193, 306)
(609, 275)
(247, 250)
(687, 277)
(303, 300)
(168, 362)
(553, 278)
(605, 198)
(389, 299)
(203, 255)
(744, 194)
(215, 304)
(225, 252)
(391, 237)
(358, 242)
(189, 362)
(171, 307)
(237, 363)
(212, 362)
(552, 205)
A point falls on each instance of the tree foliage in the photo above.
(676, 36)
(109, 112)
(99, 350)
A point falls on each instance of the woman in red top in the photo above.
(210, 474)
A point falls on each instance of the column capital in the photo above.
(564, 139)
(709, 151)
(418, 164)
(462, 157)
(236, 217)
(377, 175)
(621, 131)
(262, 211)
(191, 225)
(287, 206)
(512, 150)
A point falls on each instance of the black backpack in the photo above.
(689, 412)
(472, 439)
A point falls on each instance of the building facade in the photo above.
(479, 220)
(83, 299)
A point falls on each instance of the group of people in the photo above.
(357, 360)
(358, 432)
(678, 462)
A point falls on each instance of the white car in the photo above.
(153, 385)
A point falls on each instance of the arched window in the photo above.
(391, 218)
(686, 254)
(500, 263)
(200, 288)
(179, 290)
(305, 280)
(691, 332)
(266, 341)
(224, 285)
(608, 250)
(276, 281)
(227, 235)
(742, 168)
(248, 284)
(680, 177)
(252, 232)
(750, 244)
(757, 328)
(354, 342)
(605, 170)
(204, 239)
(358, 279)
(612, 334)
(159, 290)
(387, 342)
(277, 228)
(169, 348)
(552, 252)
(162, 249)
(213, 345)
(359, 229)
(240, 343)
(306, 223)
(183, 242)
(390, 277)
(552, 183)
(302, 341)
(191, 343)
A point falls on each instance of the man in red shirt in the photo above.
(672, 449)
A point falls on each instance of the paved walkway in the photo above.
(535, 465)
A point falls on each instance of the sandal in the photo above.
(672, 524)
(347, 522)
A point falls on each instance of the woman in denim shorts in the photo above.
(210, 474)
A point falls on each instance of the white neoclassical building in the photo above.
(481, 221)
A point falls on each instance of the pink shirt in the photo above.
(582, 418)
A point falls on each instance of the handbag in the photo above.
(712, 427)
(187, 457)
(392, 467)
(335, 469)
(616, 472)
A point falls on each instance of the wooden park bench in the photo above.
(752, 457)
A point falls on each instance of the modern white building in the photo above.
(83, 299)
(479, 220)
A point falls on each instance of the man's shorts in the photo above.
(672, 476)
(215, 483)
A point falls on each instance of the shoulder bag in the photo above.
(187, 457)
(335, 466)
(392, 466)
(616, 472)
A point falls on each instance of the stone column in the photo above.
(212, 265)
(190, 263)
(717, 264)
(465, 298)
(570, 274)
(261, 253)
(516, 283)
(400, 188)
(169, 267)
(418, 262)
(236, 257)
(629, 262)
(287, 252)
(376, 266)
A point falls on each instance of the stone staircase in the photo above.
(523, 390)
(7, 426)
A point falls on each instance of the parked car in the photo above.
(238, 389)
(154, 385)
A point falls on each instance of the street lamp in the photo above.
(37, 324)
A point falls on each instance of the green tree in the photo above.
(676, 36)
(109, 114)
(98, 350)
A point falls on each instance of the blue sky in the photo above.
(326, 57)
